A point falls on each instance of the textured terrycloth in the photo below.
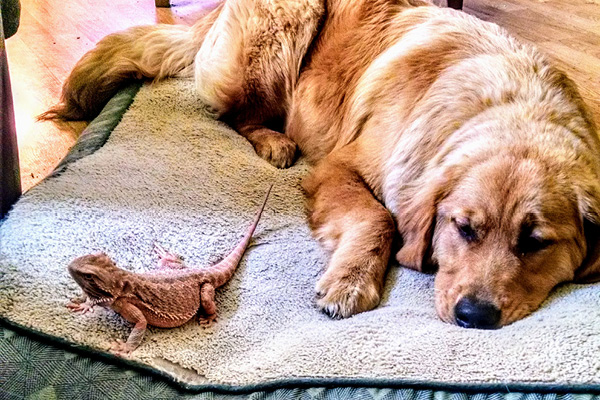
(171, 174)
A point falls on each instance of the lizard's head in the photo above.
(96, 274)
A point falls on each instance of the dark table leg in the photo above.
(456, 4)
(10, 180)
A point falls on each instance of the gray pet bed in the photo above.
(169, 173)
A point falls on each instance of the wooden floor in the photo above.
(54, 34)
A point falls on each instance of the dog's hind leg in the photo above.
(141, 52)
(357, 230)
(248, 65)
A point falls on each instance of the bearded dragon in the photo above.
(165, 298)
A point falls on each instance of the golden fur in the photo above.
(420, 120)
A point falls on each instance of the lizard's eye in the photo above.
(88, 277)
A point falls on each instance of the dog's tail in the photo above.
(142, 52)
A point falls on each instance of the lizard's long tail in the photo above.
(225, 269)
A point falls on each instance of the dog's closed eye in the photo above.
(531, 241)
(465, 229)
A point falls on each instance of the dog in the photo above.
(427, 127)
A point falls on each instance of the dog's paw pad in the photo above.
(346, 296)
(276, 148)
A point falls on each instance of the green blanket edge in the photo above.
(93, 138)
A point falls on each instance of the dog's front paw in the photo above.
(276, 148)
(341, 293)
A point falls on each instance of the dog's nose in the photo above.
(470, 312)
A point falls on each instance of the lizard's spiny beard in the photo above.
(96, 293)
(91, 288)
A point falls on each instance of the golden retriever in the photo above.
(424, 124)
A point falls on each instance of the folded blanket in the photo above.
(169, 173)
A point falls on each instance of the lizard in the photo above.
(165, 298)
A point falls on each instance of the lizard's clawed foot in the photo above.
(120, 348)
(83, 307)
(207, 321)
(168, 259)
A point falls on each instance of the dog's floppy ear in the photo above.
(416, 219)
(589, 207)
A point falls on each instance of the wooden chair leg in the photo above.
(10, 180)
(456, 4)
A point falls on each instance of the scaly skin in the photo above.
(165, 298)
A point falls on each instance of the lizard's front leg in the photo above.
(134, 315)
(209, 308)
(81, 304)
(167, 259)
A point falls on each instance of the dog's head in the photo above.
(504, 229)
